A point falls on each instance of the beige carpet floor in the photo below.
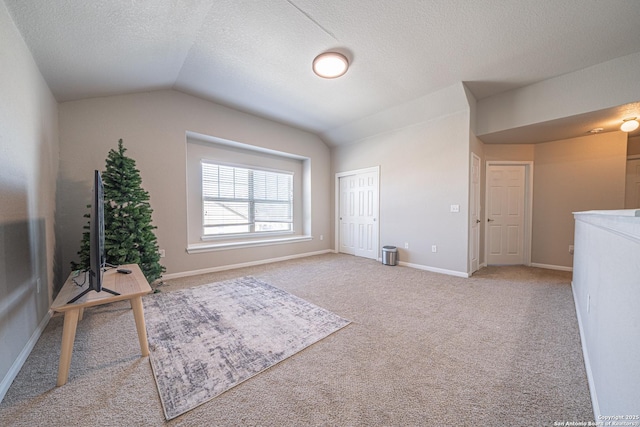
(424, 349)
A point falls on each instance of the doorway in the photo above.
(632, 187)
(508, 213)
(357, 209)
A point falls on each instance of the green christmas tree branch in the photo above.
(129, 234)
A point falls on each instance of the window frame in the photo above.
(251, 200)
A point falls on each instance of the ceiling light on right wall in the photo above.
(629, 125)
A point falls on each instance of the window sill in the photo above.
(196, 248)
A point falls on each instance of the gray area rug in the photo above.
(205, 340)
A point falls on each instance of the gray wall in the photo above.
(424, 169)
(573, 175)
(28, 169)
(569, 175)
(633, 146)
(601, 86)
(153, 126)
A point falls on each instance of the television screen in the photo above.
(96, 235)
(97, 255)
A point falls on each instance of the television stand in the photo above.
(128, 287)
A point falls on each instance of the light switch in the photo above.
(455, 208)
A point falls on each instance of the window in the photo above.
(238, 200)
(250, 196)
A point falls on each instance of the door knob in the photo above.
(477, 221)
(490, 220)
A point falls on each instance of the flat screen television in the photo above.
(97, 256)
(96, 235)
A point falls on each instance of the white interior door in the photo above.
(358, 214)
(632, 189)
(474, 214)
(505, 232)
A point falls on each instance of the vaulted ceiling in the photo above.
(256, 55)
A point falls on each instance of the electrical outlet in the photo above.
(571, 249)
(434, 248)
(161, 251)
(321, 237)
(406, 245)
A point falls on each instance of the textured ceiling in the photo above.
(255, 55)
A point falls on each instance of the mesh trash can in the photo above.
(389, 255)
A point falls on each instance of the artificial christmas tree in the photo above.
(128, 234)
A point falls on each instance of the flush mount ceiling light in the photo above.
(629, 125)
(330, 65)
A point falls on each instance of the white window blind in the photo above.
(240, 200)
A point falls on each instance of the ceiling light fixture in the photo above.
(596, 130)
(330, 65)
(629, 125)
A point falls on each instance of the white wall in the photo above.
(424, 169)
(28, 169)
(606, 292)
(153, 126)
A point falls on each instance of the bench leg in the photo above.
(68, 337)
(138, 314)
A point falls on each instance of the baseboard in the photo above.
(587, 364)
(241, 265)
(435, 269)
(22, 357)
(551, 266)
